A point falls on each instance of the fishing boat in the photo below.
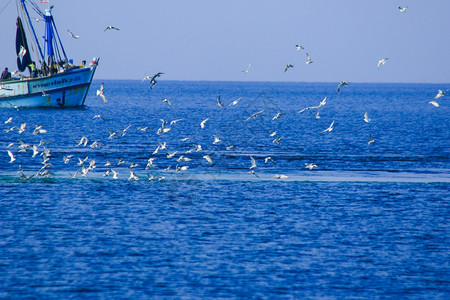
(52, 82)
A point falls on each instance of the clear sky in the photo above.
(215, 40)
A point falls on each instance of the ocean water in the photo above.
(369, 221)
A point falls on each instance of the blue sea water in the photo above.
(370, 221)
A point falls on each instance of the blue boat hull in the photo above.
(66, 89)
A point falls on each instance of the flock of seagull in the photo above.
(86, 165)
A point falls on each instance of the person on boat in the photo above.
(5, 74)
(32, 69)
(44, 69)
(83, 64)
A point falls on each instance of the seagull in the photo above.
(152, 79)
(322, 103)
(253, 172)
(330, 128)
(246, 70)
(115, 174)
(132, 177)
(22, 128)
(299, 47)
(72, 35)
(207, 157)
(175, 121)
(22, 52)
(440, 94)
(267, 159)
(100, 93)
(125, 130)
(202, 124)
(277, 140)
(308, 59)
(166, 101)
(216, 139)
(278, 115)
(35, 150)
(366, 117)
(234, 102)
(402, 9)
(371, 140)
(11, 156)
(112, 134)
(341, 84)
(254, 165)
(9, 120)
(254, 115)
(99, 117)
(287, 67)
(434, 103)
(67, 158)
(310, 166)
(111, 28)
(280, 176)
(382, 61)
(317, 114)
(219, 103)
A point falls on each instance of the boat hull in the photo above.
(67, 89)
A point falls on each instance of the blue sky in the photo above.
(215, 40)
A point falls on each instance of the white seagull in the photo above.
(440, 94)
(11, 156)
(308, 59)
(246, 70)
(299, 47)
(341, 84)
(219, 103)
(202, 124)
(166, 101)
(366, 117)
(254, 165)
(330, 128)
(310, 166)
(434, 103)
(382, 62)
(254, 115)
(100, 93)
(111, 28)
(402, 9)
(72, 35)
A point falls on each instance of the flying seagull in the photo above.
(402, 9)
(219, 103)
(254, 115)
(72, 35)
(308, 59)
(111, 28)
(310, 166)
(330, 128)
(234, 102)
(440, 94)
(100, 93)
(382, 61)
(246, 70)
(366, 117)
(11, 156)
(371, 140)
(152, 79)
(434, 103)
(202, 124)
(166, 101)
(299, 47)
(341, 84)
(287, 67)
